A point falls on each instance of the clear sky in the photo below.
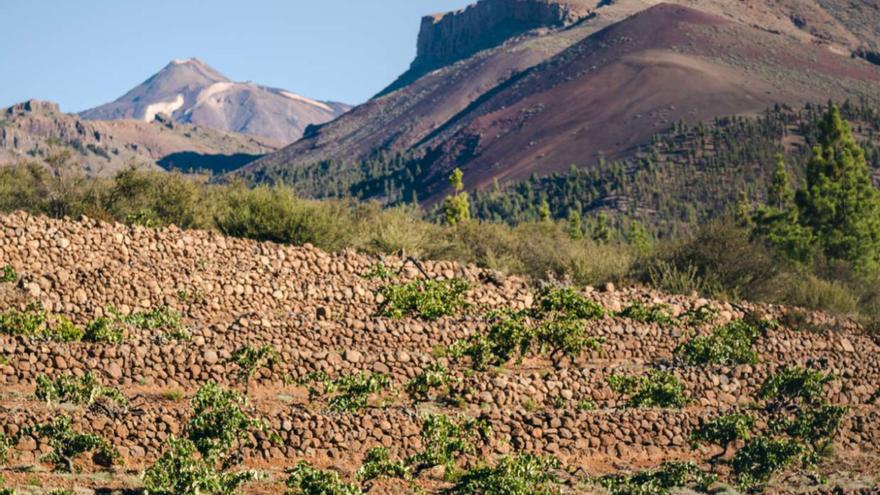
(81, 53)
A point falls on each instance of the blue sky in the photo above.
(81, 53)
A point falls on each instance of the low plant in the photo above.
(378, 272)
(509, 336)
(306, 480)
(724, 431)
(36, 323)
(522, 474)
(728, 344)
(435, 377)
(82, 391)
(8, 274)
(703, 315)
(761, 458)
(221, 424)
(68, 444)
(181, 470)
(250, 359)
(655, 313)
(5, 446)
(378, 464)
(794, 385)
(568, 302)
(164, 317)
(445, 439)
(426, 299)
(656, 389)
(660, 481)
(565, 337)
(104, 329)
(347, 393)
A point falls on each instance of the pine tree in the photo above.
(575, 228)
(456, 207)
(544, 211)
(602, 229)
(839, 202)
(777, 223)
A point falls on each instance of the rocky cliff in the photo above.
(449, 37)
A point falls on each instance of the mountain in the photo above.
(192, 92)
(35, 130)
(581, 88)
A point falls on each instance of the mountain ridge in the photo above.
(190, 91)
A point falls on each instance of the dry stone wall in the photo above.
(320, 312)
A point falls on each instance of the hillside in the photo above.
(36, 130)
(321, 313)
(543, 100)
(192, 92)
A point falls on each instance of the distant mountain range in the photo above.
(34, 131)
(508, 89)
(191, 92)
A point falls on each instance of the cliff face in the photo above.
(453, 36)
(446, 38)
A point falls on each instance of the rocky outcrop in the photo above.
(446, 38)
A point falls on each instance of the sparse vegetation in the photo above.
(427, 299)
(68, 444)
(8, 274)
(728, 344)
(72, 389)
(660, 481)
(34, 322)
(523, 474)
(378, 464)
(250, 359)
(445, 439)
(656, 389)
(307, 480)
(346, 393)
(655, 313)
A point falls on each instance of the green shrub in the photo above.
(724, 431)
(568, 302)
(565, 337)
(434, 377)
(444, 440)
(426, 299)
(34, 322)
(509, 336)
(522, 474)
(8, 275)
(163, 317)
(686, 279)
(249, 359)
(67, 444)
(815, 427)
(657, 389)
(660, 481)
(703, 315)
(221, 422)
(378, 464)
(794, 385)
(729, 344)
(83, 391)
(761, 458)
(182, 471)
(656, 313)
(347, 393)
(105, 330)
(276, 214)
(307, 480)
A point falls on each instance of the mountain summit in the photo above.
(192, 92)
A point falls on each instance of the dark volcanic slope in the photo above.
(192, 92)
(611, 92)
(552, 98)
